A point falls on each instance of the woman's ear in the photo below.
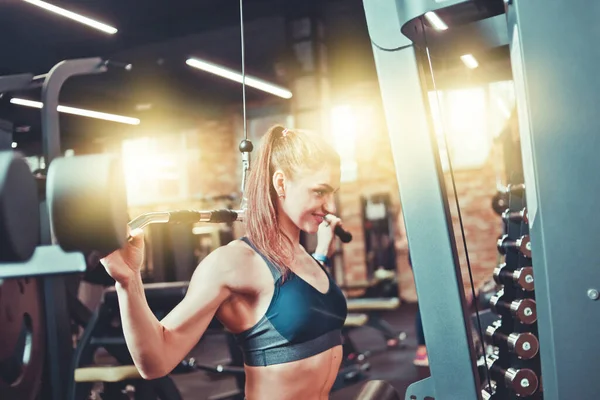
(279, 182)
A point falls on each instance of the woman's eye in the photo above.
(320, 193)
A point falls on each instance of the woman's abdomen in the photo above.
(309, 379)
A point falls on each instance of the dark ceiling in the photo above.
(156, 37)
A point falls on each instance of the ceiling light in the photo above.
(76, 17)
(14, 145)
(469, 61)
(79, 111)
(435, 21)
(237, 77)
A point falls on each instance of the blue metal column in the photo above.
(426, 215)
(555, 57)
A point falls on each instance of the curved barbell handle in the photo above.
(212, 216)
(186, 216)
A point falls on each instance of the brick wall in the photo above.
(211, 171)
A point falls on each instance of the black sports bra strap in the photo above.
(274, 270)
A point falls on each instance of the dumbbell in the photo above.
(522, 245)
(19, 209)
(524, 382)
(515, 216)
(525, 345)
(522, 309)
(521, 277)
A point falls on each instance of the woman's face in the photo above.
(309, 197)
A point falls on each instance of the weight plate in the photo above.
(22, 339)
(19, 209)
(88, 203)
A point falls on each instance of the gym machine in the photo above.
(37, 352)
(30, 251)
(556, 99)
(37, 347)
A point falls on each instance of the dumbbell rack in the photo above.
(513, 368)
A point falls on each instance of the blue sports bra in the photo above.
(299, 323)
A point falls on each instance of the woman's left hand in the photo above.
(326, 235)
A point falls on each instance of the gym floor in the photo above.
(394, 366)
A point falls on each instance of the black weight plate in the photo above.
(19, 209)
(22, 339)
(88, 203)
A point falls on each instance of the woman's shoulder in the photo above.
(237, 261)
(234, 253)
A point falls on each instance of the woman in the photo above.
(284, 309)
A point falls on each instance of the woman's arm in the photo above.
(326, 239)
(158, 346)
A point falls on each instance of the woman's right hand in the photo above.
(124, 264)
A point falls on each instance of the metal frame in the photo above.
(53, 83)
(61, 262)
(425, 208)
(58, 337)
(557, 100)
(48, 258)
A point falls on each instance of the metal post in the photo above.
(426, 214)
(555, 57)
(58, 321)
